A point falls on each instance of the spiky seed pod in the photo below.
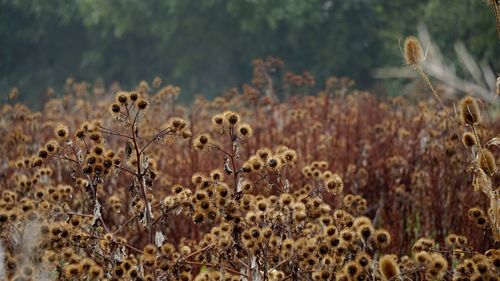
(114, 108)
(231, 118)
(95, 136)
(244, 130)
(61, 131)
(469, 111)
(352, 269)
(273, 162)
(290, 155)
(203, 139)
(365, 231)
(218, 119)
(42, 153)
(263, 153)
(72, 271)
(388, 267)
(488, 162)
(198, 218)
(382, 238)
(51, 146)
(469, 139)
(475, 213)
(482, 221)
(80, 134)
(149, 249)
(413, 51)
(217, 175)
(363, 260)
(142, 104)
(121, 97)
(334, 184)
(439, 265)
(422, 257)
(134, 96)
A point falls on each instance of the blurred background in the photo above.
(207, 46)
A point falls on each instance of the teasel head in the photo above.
(114, 108)
(263, 153)
(422, 257)
(201, 141)
(469, 111)
(388, 267)
(244, 130)
(231, 118)
(52, 146)
(334, 184)
(438, 265)
(246, 167)
(364, 260)
(217, 175)
(469, 139)
(95, 137)
(365, 231)
(245, 186)
(142, 104)
(218, 120)
(61, 131)
(273, 163)
(381, 239)
(256, 163)
(290, 155)
(177, 123)
(451, 240)
(488, 162)
(134, 96)
(80, 134)
(475, 213)
(413, 52)
(122, 97)
(482, 221)
(462, 241)
(352, 269)
(149, 249)
(72, 271)
(43, 153)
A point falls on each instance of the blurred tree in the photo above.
(207, 46)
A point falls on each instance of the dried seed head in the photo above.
(115, 108)
(121, 97)
(61, 131)
(142, 104)
(244, 130)
(469, 111)
(218, 119)
(488, 162)
(413, 51)
(231, 117)
(134, 96)
(475, 213)
(469, 139)
(388, 267)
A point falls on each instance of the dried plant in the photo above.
(129, 185)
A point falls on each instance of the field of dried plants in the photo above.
(116, 184)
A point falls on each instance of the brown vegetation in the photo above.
(128, 185)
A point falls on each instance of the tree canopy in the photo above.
(207, 46)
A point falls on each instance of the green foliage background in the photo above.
(206, 46)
